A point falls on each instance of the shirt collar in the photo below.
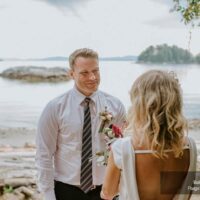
(80, 97)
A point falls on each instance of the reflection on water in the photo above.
(22, 103)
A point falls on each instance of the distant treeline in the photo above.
(167, 54)
(62, 58)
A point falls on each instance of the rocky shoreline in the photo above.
(36, 74)
(17, 163)
(18, 174)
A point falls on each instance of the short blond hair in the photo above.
(85, 53)
(156, 112)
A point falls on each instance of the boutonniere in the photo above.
(105, 118)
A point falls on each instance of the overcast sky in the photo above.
(41, 28)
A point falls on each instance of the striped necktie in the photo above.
(86, 164)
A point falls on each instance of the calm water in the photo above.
(22, 103)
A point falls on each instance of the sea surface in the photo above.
(21, 103)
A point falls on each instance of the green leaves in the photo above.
(189, 10)
(7, 189)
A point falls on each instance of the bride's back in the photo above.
(156, 121)
(148, 172)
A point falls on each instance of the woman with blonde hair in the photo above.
(154, 161)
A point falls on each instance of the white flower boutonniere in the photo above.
(106, 118)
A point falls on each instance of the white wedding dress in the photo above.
(124, 158)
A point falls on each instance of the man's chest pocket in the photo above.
(70, 130)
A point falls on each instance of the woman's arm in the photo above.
(111, 180)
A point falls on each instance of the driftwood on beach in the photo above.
(18, 174)
(36, 74)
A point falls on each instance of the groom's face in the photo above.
(86, 75)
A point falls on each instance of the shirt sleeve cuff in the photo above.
(49, 195)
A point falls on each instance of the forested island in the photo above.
(167, 54)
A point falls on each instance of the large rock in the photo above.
(36, 74)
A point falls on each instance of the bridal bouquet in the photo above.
(111, 134)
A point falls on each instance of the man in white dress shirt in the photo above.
(60, 130)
